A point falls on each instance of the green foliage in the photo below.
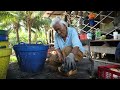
(23, 37)
(42, 36)
(12, 38)
(10, 18)
(13, 59)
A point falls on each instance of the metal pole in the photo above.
(90, 58)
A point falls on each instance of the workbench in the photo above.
(102, 46)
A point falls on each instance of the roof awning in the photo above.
(53, 13)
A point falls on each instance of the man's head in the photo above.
(60, 26)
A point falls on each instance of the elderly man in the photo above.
(67, 45)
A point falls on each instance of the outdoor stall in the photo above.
(24, 51)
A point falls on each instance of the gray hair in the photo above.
(58, 20)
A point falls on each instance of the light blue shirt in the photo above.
(71, 40)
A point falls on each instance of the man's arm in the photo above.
(60, 56)
(77, 45)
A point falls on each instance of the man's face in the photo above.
(60, 29)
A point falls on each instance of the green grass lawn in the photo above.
(13, 59)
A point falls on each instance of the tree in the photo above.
(12, 20)
(31, 20)
(41, 23)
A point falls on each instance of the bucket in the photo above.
(4, 61)
(118, 36)
(3, 32)
(115, 35)
(83, 36)
(3, 37)
(4, 43)
(31, 57)
(89, 35)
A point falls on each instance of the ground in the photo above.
(49, 72)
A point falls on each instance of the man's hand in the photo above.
(60, 57)
(70, 62)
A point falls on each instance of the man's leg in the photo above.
(53, 59)
(78, 57)
(68, 50)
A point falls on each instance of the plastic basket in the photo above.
(4, 43)
(31, 57)
(4, 61)
(105, 72)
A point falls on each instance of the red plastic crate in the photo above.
(105, 72)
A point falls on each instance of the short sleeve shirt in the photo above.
(72, 39)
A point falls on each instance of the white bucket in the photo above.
(119, 36)
(115, 35)
(89, 36)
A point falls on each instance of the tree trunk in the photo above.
(16, 27)
(29, 24)
(17, 35)
(29, 31)
(35, 36)
(46, 36)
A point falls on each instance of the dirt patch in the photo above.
(49, 72)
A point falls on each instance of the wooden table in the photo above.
(106, 40)
(103, 46)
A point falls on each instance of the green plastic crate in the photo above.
(3, 32)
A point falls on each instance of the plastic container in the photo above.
(4, 43)
(31, 57)
(89, 35)
(91, 22)
(106, 72)
(4, 61)
(92, 15)
(97, 34)
(118, 36)
(83, 36)
(3, 32)
(3, 38)
(115, 35)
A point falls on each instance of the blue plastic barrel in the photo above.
(31, 57)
